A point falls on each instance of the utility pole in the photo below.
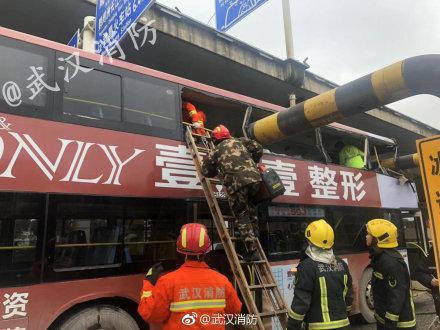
(288, 31)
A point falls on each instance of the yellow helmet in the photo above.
(320, 233)
(384, 231)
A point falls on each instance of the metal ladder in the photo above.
(260, 270)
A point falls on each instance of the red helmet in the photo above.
(193, 239)
(221, 132)
(189, 107)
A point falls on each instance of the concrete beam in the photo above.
(293, 72)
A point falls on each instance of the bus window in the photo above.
(349, 228)
(151, 228)
(150, 102)
(87, 236)
(21, 220)
(20, 66)
(93, 95)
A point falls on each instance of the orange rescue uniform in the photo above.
(192, 115)
(194, 287)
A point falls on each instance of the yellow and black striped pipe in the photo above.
(415, 75)
(402, 162)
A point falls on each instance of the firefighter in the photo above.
(349, 155)
(426, 273)
(179, 298)
(390, 283)
(235, 161)
(323, 292)
(194, 116)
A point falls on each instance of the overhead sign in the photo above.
(229, 12)
(429, 159)
(114, 18)
(74, 40)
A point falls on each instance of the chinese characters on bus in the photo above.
(178, 171)
(37, 80)
(15, 305)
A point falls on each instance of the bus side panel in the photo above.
(36, 307)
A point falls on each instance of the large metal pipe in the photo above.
(402, 162)
(415, 75)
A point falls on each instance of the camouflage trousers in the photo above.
(245, 213)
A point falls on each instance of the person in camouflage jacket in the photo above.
(235, 161)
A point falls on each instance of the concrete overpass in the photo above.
(188, 48)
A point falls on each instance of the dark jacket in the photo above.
(391, 288)
(323, 295)
(425, 270)
(235, 160)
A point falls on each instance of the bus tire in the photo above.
(366, 296)
(99, 317)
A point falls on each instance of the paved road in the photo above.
(424, 310)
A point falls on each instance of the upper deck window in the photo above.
(93, 95)
(150, 102)
(26, 78)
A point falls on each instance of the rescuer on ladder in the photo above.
(235, 161)
(194, 116)
(179, 298)
(390, 283)
(323, 287)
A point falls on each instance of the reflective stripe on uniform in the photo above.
(197, 304)
(329, 325)
(295, 316)
(324, 300)
(202, 237)
(345, 285)
(348, 308)
(407, 324)
(378, 275)
(379, 319)
(404, 324)
(146, 294)
(392, 317)
(184, 237)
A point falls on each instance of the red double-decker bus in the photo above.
(95, 182)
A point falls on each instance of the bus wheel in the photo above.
(100, 317)
(366, 305)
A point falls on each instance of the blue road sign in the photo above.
(74, 40)
(114, 18)
(229, 12)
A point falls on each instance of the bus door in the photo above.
(415, 237)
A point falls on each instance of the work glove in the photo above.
(154, 272)
(197, 125)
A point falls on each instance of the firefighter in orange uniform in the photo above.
(180, 298)
(194, 116)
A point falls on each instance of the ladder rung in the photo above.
(262, 286)
(273, 313)
(213, 180)
(203, 149)
(252, 262)
(234, 239)
(228, 217)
